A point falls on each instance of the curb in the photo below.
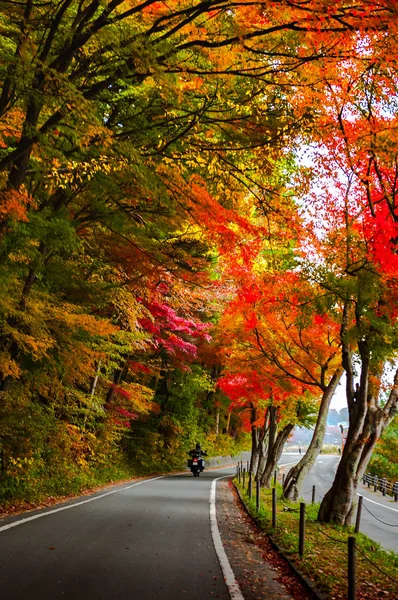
(316, 594)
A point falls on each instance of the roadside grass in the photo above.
(325, 555)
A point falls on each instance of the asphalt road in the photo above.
(147, 541)
(379, 518)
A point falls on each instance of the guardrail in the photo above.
(381, 484)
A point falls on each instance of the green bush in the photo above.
(384, 460)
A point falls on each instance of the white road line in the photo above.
(229, 576)
(51, 512)
(378, 503)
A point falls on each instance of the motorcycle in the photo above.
(196, 465)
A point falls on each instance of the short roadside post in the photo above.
(351, 568)
(257, 495)
(273, 507)
(302, 529)
(359, 511)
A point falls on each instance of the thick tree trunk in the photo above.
(295, 477)
(367, 422)
(274, 455)
(262, 459)
(256, 442)
(276, 442)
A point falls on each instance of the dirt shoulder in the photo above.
(261, 572)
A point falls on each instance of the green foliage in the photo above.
(384, 460)
(187, 417)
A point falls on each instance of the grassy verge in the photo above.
(325, 557)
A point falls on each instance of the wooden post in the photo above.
(302, 529)
(351, 568)
(359, 510)
(273, 507)
(257, 495)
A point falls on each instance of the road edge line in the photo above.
(55, 510)
(229, 576)
(378, 503)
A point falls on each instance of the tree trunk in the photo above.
(217, 421)
(274, 453)
(367, 422)
(228, 421)
(276, 442)
(295, 477)
(255, 454)
(262, 458)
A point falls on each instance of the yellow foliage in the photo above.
(89, 323)
(8, 366)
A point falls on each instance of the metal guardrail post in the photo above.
(395, 491)
(386, 487)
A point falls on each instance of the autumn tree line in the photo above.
(198, 231)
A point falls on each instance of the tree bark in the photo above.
(259, 441)
(367, 422)
(295, 477)
(276, 442)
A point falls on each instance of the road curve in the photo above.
(379, 518)
(146, 541)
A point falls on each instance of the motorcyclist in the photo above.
(198, 453)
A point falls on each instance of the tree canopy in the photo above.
(197, 217)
